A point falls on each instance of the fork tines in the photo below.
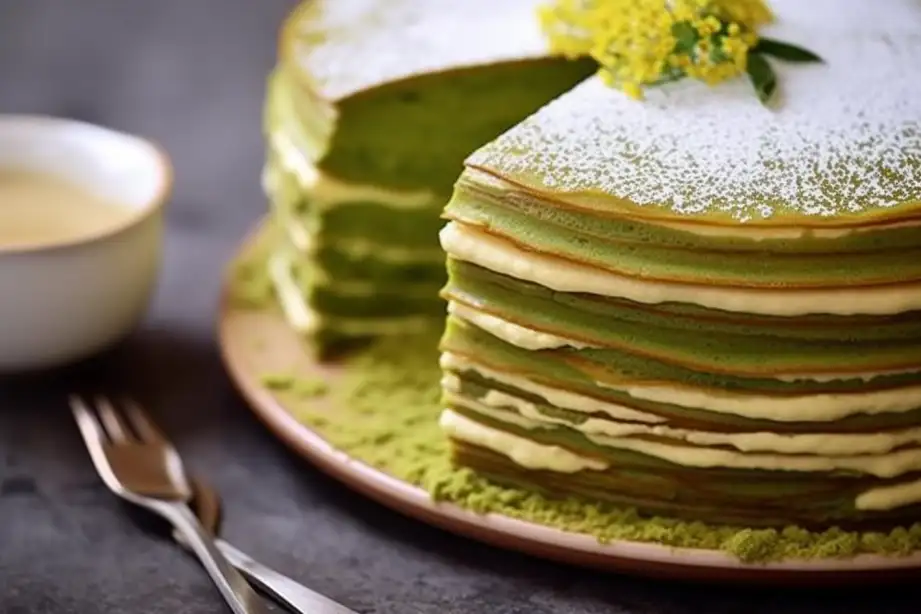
(131, 422)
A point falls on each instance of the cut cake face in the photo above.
(369, 115)
(697, 306)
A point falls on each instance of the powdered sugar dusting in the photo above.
(349, 45)
(844, 138)
(848, 16)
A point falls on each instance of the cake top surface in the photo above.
(346, 46)
(842, 142)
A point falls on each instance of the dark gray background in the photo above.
(190, 74)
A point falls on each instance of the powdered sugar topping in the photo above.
(844, 138)
(349, 45)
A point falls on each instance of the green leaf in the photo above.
(717, 55)
(762, 76)
(668, 75)
(785, 51)
(686, 36)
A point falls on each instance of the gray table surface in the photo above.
(190, 74)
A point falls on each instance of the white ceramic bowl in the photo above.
(62, 302)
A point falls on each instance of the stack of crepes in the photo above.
(370, 112)
(698, 306)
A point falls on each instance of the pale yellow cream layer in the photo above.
(801, 408)
(816, 444)
(890, 497)
(471, 245)
(525, 453)
(764, 233)
(510, 332)
(554, 396)
(887, 465)
(396, 254)
(554, 458)
(305, 320)
(325, 191)
(531, 339)
(298, 315)
(866, 376)
(370, 289)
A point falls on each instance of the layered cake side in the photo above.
(698, 306)
(369, 114)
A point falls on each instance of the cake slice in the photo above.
(697, 306)
(370, 112)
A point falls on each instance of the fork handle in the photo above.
(293, 595)
(236, 591)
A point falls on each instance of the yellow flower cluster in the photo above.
(645, 42)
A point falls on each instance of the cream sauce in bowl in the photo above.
(81, 233)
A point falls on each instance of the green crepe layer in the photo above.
(471, 281)
(371, 260)
(380, 300)
(479, 193)
(629, 342)
(573, 236)
(621, 368)
(673, 415)
(380, 224)
(339, 267)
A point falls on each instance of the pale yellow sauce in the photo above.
(40, 209)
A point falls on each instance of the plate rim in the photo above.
(643, 558)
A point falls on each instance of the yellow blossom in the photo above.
(750, 14)
(641, 42)
(708, 26)
(735, 50)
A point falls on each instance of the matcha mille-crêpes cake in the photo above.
(370, 112)
(696, 305)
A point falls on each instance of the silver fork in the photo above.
(138, 464)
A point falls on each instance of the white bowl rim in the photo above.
(158, 158)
